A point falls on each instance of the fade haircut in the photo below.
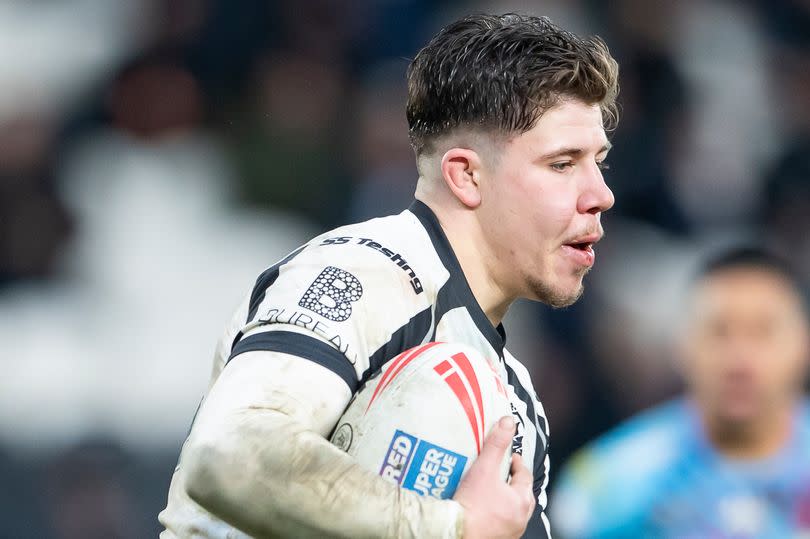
(500, 73)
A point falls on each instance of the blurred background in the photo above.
(157, 155)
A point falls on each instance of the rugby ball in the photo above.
(422, 420)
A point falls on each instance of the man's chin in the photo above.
(557, 297)
(738, 416)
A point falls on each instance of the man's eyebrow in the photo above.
(573, 152)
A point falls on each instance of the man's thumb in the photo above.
(499, 438)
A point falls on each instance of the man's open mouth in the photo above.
(582, 245)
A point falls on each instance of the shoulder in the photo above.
(356, 268)
(395, 248)
(637, 454)
(362, 289)
(651, 432)
(638, 447)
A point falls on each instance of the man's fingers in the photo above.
(498, 440)
(521, 476)
(522, 482)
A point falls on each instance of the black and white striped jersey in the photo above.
(357, 296)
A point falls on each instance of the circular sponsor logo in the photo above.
(343, 437)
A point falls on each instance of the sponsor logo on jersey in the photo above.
(396, 258)
(332, 293)
(422, 467)
(281, 315)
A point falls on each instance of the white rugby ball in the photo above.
(421, 421)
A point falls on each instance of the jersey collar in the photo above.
(458, 281)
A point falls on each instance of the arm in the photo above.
(257, 457)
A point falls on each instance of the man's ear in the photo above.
(461, 171)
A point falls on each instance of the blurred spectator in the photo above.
(50, 53)
(729, 459)
(158, 251)
(29, 206)
(732, 130)
(289, 146)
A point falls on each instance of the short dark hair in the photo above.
(757, 258)
(501, 73)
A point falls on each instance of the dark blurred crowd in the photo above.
(149, 148)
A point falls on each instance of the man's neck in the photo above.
(489, 295)
(476, 260)
(760, 438)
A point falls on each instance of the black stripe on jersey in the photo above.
(536, 528)
(456, 292)
(411, 334)
(300, 345)
(540, 449)
(265, 281)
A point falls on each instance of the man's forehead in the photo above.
(570, 125)
(762, 289)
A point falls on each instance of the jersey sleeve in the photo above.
(336, 301)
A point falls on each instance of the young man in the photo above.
(733, 458)
(507, 118)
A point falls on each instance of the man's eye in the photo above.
(603, 165)
(560, 167)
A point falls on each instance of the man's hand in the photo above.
(494, 509)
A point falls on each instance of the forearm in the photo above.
(269, 476)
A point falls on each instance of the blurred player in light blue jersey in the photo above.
(731, 459)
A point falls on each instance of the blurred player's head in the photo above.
(507, 117)
(746, 341)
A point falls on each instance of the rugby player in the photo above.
(507, 117)
(732, 457)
